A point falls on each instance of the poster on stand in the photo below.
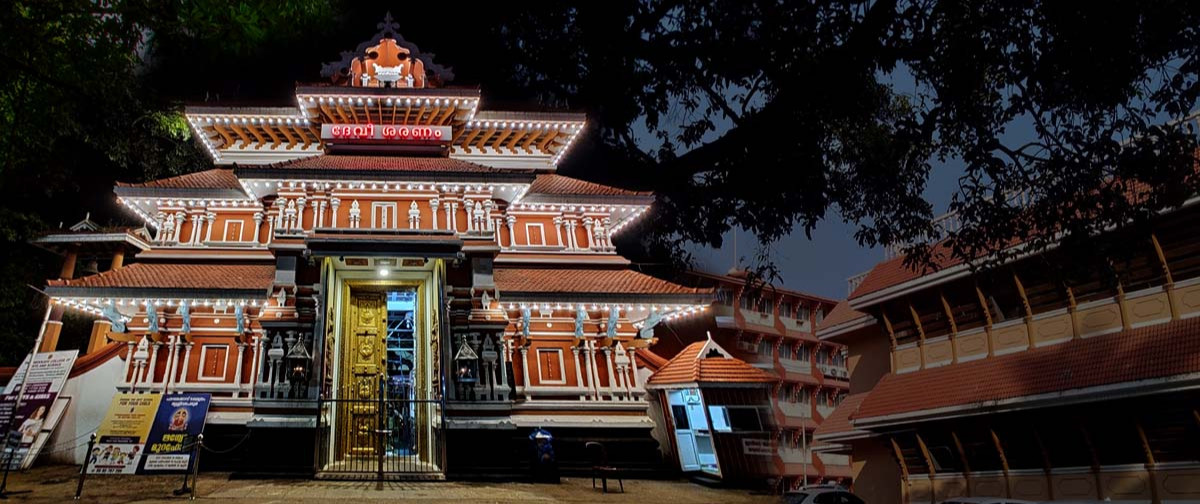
(169, 447)
(46, 373)
(149, 434)
(121, 438)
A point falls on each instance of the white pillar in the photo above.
(612, 373)
(587, 223)
(525, 370)
(129, 363)
(256, 343)
(300, 203)
(237, 373)
(171, 358)
(333, 217)
(433, 211)
(593, 373)
(449, 226)
(258, 218)
(511, 221)
(559, 225)
(153, 360)
(578, 373)
(187, 363)
(454, 216)
(469, 205)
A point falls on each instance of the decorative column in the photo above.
(454, 216)
(433, 210)
(153, 360)
(469, 205)
(129, 363)
(559, 226)
(494, 225)
(300, 202)
(187, 363)
(211, 217)
(612, 373)
(180, 217)
(588, 223)
(160, 219)
(593, 373)
(255, 368)
(333, 219)
(237, 373)
(573, 243)
(525, 370)
(511, 221)
(606, 234)
(449, 226)
(637, 382)
(258, 218)
(280, 205)
(488, 206)
(172, 357)
(578, 373)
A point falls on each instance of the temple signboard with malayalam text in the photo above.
(392, 133)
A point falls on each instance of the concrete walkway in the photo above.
(57, 484)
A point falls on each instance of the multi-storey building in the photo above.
(380, 275)
(1031, 379)
(772, 329)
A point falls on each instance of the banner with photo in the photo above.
(40, 409)
(149, 434)
(179, 420)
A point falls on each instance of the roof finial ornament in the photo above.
(389, 25)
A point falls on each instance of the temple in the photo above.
(379, 276)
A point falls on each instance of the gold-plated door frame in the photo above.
(425, 282)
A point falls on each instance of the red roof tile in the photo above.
(562, 185)
(691, 367)
(1156, 351)
(584, 281)
(216, 178)
(179, 276)
(839, 421)
(841, 313)
(649, 360)
(385, 163)
(893, 271)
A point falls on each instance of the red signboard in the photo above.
(387, 132)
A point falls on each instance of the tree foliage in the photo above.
(768, 115)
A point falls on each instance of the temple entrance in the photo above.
(381, 419)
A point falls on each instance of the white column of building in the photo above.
(211, 217)
(571, 238)
(256, 346)
(129, 377)
(187, 363)
(637, 382)
(454, 216)
(469, 205)
(612, 373)
(525, 370)
(559, 226)
(172, 355)
(433, 210)
(578, 373)
(495, 225)
(153, 360)
(237, 373)
(258, 218)
(159, 219)
(488, 206)
(280, 204)
(587, 223)
(301, 202)
(333, 217)
(511, 221)
(180, 220)
(593, 373)
(449, 226)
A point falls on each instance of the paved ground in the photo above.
(57, 484)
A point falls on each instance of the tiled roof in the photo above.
(737, 278)
(216, 178)
(183, 277)
(691, 367)
(1156, 351)
(841, 313)
(585, 281)
(385, 163)
(839, 421)
(562, 185)
(650, 360)
(894, 272)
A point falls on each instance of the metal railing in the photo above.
(385, 437)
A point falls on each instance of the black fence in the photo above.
(385, 437)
